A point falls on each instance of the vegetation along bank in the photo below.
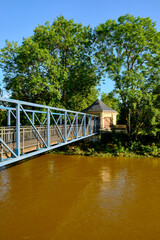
(114, 144)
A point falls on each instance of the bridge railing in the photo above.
(33, 128)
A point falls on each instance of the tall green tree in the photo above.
(110, 100)
(54, 66)
(152, 124)
(128, 51)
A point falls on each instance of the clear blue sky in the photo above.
(18, 18)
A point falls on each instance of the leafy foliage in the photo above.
(53, 67)
(110, 100)
(129, 52)
(115, 144)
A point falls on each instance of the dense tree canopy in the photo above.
(129, 52)
(63, 62)
(53, 67)
(111, 101)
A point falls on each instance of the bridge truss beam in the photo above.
(25, 136)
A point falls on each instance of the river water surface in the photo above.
(58, 197)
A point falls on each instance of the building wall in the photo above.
(106, 118)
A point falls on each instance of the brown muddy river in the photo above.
(55, 197)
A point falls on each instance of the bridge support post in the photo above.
(60, 119)
(9, 123)
(9, 118)
(84, 124)
(17, 150)
(77, 125)
(48, 127)
(33, 113)
(65, 126)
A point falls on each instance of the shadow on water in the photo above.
(20, 162)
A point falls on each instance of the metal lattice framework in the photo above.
(33, 129)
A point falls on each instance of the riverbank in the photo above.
(113, 144)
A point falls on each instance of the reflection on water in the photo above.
(80, 198)
(105, 174)
(4, 186)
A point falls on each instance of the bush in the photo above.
(115, 144)
(152, 150)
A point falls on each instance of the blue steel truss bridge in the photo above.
(29, 129)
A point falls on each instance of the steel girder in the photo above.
(59, 127)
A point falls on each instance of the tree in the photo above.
(111, 101)
(54, 66)
(152, 125)
(129, 52)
